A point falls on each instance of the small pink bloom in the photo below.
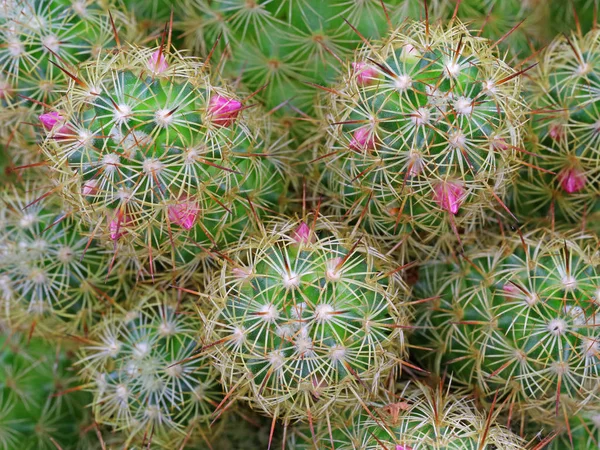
(303, 234)
(184, 213)
(557, 132)
(571, 179)
(500, 144)
(362, 139)
(403, 447)
(510, 289)
(49, 122)
(115, 227)
(90, 187)
(365, 73)
(223, 110)
(449, 196)
(157, 62)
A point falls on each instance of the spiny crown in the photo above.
(516, 317)
(424, 127)
(143, 372)
(305, 316)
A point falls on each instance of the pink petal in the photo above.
(157, 62)
(403, 447)
(90, 187)
(365, 73)
(572, 179)
(449, 196)
(557, 132)
(184, 213)
(303, 234)
(49, 120)
(115, 227)
(223, 110)
(362, 139)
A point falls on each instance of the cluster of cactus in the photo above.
(357, 224)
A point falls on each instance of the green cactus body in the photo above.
(54, 279)
(560, 180)
(35, 412)
(417, 418)
(515, 321)
(144, 372)
(422, 134)
(306, 319)
(159, 158)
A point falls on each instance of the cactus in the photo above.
(560, 181)
(158, 157)
(417, 417)
(142, 368)
(515, 319)
(36, 411)
(53, 278)
(306, 318)
(423, 135)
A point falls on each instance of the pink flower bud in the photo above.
(500, 144)
(362, 139)
(449, 196)
(365, 73)
(223, 110)
(403, 447)
(510, 289)
(557, 132)
(49, 122)
(572, 179)
(303, 234)
(115, 227)
(184, 213)
(157, 62)
(90, 187)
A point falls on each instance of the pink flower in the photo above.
(557, 132)
(362, 139)
(223, 110)
(184, 213)
(115, 227)
(449, 196)
(572, 179)
(403, 447)
(365, 73)
(90, 187)
(157, 62)
(49, 122)
(303, 234)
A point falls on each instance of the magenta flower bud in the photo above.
(223, 110)
(557, 132)
(49, 122)
(362, 139)
(157, 62)
(90, 187)
(571, 179)
(449, 196)
(500, 144)
(303, 234)
(184, 213)
(403, 447)
(510, 289)
(115, 227)
(365, 74)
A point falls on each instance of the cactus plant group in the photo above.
(298, 224)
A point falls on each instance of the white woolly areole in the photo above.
(163, 118)
(239, 336)
(557, 327)
(590, 347)
(577, 313)
(122, 392)
(152, 166)
(463, 106)
(112, 347)
(27, 220)
(166, 328)
(86, 138)
(290, 280)
(402, 82)
(569, 282)
(323, 312)
(38, 276)
(15, 48)
(51, 42)
(304, 346)
(337, 353)
(297, 310)
(110, 162)
(122, 113)
(175, 371)
(269, 313)
(141, 349)
(421, 117)
(276, 359)
(65, 254)
(583, 69)
(457, 139)
(489, 86)
(452, 69)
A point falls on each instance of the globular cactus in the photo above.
(306, 318)
(158, 157)
(417, 417)
(53, 279)
(423, 135)
(560, 182)
(517, 319)
(142, 367)
(39, 410)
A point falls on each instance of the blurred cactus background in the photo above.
(299, 224)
